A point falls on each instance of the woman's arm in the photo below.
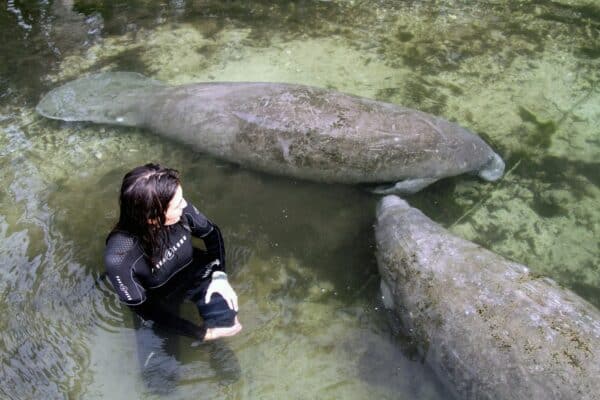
(215, 247)
(120, 257)
(210, 233)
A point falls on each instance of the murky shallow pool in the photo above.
(301, 255)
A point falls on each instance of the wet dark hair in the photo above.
(145, 195)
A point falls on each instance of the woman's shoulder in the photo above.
(120, 246)
(194, 217)
(120, 242)
(190, 208)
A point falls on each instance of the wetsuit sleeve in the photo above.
(210, 233)
(120, 256)
(155, 311)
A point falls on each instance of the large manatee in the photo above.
(285, 129)
(487, 326)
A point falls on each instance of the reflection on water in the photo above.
(524, 76)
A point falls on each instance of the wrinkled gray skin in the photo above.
(487, 327)
(292, 130)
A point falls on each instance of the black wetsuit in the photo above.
(154, 292)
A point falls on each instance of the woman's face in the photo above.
(176, 206)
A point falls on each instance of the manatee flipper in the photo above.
(117, 98)
(407, 186)
(386, 295)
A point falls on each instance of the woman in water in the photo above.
(153, 266)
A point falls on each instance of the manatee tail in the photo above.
(109, 97)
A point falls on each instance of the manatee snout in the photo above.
(493, 169)
(389, 202)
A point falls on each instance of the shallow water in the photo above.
(301, 255)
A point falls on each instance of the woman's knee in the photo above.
(216, 313)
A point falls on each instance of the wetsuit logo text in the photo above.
(170, 252)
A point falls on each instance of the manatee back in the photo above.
(108, 97)
(332, 136)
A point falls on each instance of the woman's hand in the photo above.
(219, 284)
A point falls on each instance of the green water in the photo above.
(524, 75)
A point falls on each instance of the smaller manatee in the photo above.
(486, 326)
